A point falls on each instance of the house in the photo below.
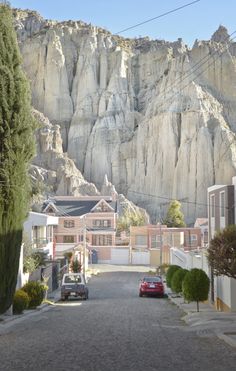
(221, 213)
(220, 207)
(39, 229)
(151, 244)
(202, 223)
(89, 221)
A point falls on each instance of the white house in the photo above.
(39, 229)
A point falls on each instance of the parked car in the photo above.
(74, 284)
(152, 285)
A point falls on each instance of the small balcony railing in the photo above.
(39, 243)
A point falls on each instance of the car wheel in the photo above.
(140, 294)
(63, 299)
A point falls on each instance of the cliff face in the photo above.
(156, 117)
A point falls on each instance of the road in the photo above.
(113, 330)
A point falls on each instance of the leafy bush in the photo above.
(170, 272)
(177, 280)
(20, 301)
(36, 291)
(196, 286)
(222, 252)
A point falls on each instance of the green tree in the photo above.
(75, 266)
(129, 218)
(16, 149)
(177, 280)
(196, 285)
(174, 216)
(222, 252)
(170, 272)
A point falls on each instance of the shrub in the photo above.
(75, 266)
(170, 272)
(36, 291)
(20, 301)
(196, 285)
(177, 280)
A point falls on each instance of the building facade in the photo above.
(221, 213)
(89, 221)
(157, 240)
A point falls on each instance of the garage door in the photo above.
(141, 257)
(119, 256)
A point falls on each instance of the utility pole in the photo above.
(161, 241)
(161, 245)
(84, 245)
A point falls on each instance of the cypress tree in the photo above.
(16, 149)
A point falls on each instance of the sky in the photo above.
(197, 21)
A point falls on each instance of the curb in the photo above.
(227, 337)
(7, 321)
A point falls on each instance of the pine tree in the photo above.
(174, 216)
(16, 149)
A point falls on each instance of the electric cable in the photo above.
(159, 16)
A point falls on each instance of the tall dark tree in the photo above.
(16, 149)
(222, 252)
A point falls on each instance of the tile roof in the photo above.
(77, 207)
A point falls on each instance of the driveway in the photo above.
(113, 330)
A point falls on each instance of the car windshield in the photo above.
(152, 279)
(72, 279)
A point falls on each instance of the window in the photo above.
(68, 239)
(212, 205)
(193, 240)
(101, 223)
(69, 223)
(222, 204)
(101, 240)
(72, 278)
(141, 240)
(102, 207)
(80, 238)
(155, 241)
(50, 210)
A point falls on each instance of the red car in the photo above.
(152, 285)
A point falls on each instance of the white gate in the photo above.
(119, 256)
(141, 257)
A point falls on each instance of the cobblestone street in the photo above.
(113, 330)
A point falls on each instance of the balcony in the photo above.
(40, 243)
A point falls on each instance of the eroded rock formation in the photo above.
(157, 117)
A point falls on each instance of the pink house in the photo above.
(89, 221)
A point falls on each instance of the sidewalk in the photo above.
(7, 320)
(208, 319)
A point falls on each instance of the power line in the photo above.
(193, 70)
(174, 199)
(186, 76)
(159, 16)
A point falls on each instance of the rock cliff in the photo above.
(157, 117)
